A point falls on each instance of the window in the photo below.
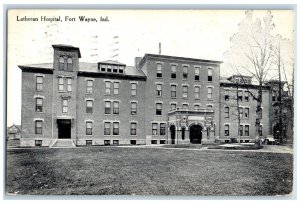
(38, 143)
(115, 142)
(246, 95)
(173, 72)
(154, 128)
(107, 107)
(133, 142)
(39, 105)
(38, 127)
(226, 95)
(273, 95)
(153, 141)
(159, 71)
(209, 74)
(107, 88)
(107, 128)
(69, 64)
(260, 130)
(183, 133)
(173, 106)
(162, 129)
(162, 142)
(241, 112)
(185, 91)
(39, 83)
(185, 106)
(61, 63)
(158, 108)
(226, 112)
(115, 69)
(89, 86)
(197, 92)
(115, 128)
(89, 128)
(103, 68)
(246, 130)
(158, 89)
(197, 107)
(209, 107)
(173, 91)
(121, 70)
(241, 130)
(108, 68)
(60, 84)
(116, 108)
(197, 74)
(209, 92)
(133, 108)
(226, 129)
(133, 128)
(246, 112)
(89, 142)
(69, 84)
(185, 73)
(65, 105)
(116, 88)
(133, 89)
(240, 95)
(89, 106)
(106, 142)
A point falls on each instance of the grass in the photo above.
(146, 171)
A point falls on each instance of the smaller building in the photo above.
(13, 135)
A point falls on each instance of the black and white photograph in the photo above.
(150, 102)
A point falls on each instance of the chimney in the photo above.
(137, 61)
(159, 49)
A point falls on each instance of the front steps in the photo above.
(63, 143)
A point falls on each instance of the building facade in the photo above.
(161, 100)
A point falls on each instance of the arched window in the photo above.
(61, 63)
(70, 64)
(183, 133)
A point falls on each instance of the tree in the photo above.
(252, 53)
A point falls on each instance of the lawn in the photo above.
(146, 171)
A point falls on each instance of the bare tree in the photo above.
(252, 53)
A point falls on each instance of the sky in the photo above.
(200, 34)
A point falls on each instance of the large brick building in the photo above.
(160, 100)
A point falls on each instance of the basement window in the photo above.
(38, 143)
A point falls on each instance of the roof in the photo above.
(93, 67)
(40, 66)
(112, 62)
(67, 48)
(176, 58)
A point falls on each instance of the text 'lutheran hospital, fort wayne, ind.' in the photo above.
(160, 100)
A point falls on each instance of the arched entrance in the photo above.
(172, 131)
(195, 134)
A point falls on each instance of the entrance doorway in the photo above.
(172, 130)
(64, 128)
(195, 134)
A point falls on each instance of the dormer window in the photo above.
(69, 64)
(61, 63)
(115, 69)
(121, 70)
(103, 68)
(108, 68)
